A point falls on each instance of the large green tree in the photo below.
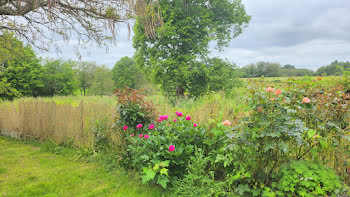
(103, 82)
(125, 72)
(223, 75)
(175, 59)
(22, 74)
(85, 75)
(59, 77)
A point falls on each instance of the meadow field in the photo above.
(90, 126)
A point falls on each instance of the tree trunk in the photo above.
(179, 91)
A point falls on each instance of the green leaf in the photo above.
(164, 171)
(156, 167)
(216, 131)
(149, 175)
(311, 133)
(162, 180)
(242, 188)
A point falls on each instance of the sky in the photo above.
(304, 33)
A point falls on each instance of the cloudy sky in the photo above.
(304, 33)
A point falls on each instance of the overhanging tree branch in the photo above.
(40, 22)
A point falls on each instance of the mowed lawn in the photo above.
(26, 170)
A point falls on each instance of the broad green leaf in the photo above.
(311, 133)
(242, 188)
(150, 174)
(164, 171)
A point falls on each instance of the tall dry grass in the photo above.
(42, 119)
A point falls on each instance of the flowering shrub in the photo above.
(293, 123)
(133, 110)
(167, 140)
(300, 121)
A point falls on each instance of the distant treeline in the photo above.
(268, 69)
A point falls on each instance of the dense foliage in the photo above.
(125, 73)
(20, 75)
(268, 69)
(133, 109)
(58, 77)
(306, 179)
(102, 82)
(335, 68)
(176, 60)
(289, 132)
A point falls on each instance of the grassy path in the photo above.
(25, 170)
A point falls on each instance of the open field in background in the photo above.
(64, 118)
(27, 170)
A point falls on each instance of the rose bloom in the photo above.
(179, 114)
(159, 120)
(171, 148)
(146, 136)
(151, 126)
(269, 89)
(278, 92)
(125, 128)
(226, 123)
(306, 100)
(195, 125)
(164, 117)
(140, 135)
(132, 135)
(188, 118)
(139, 126)
(174, 120)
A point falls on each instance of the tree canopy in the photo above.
(176, 60)
(126, 73)
(19, 75)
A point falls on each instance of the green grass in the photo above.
(27, 170)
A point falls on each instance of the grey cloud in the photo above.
(305, 33)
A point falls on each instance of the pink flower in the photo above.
(195, 125)
(140, 135)
(226, 123)
(174, 120)
(306, 100)
(269, 89)
(171, 148)
(132, 135)
(151, 126)
(146, 136)
(179, 114)
(164, 117)
(125, 128)
(139, 126)
(188, 118)
(159, 120)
